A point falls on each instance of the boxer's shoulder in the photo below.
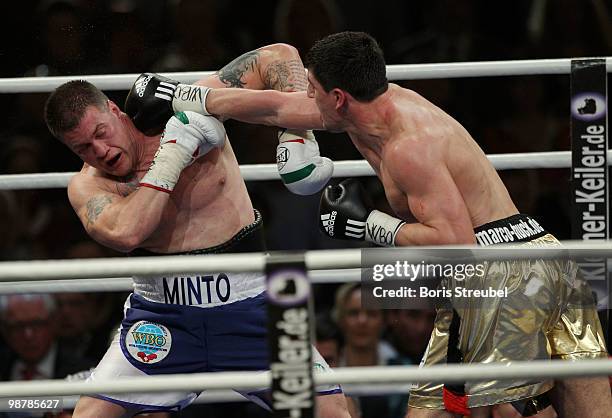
(91, 181)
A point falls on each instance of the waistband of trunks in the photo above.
(515, 228)
(248, 239)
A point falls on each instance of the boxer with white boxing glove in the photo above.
(346, 213)
(138, 193)
(188, 135)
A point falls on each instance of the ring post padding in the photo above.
(290, 336)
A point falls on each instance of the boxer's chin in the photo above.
(331, 126)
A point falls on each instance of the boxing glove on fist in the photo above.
(346, 213)
(153, 100)
(188, 135)
(299, 163)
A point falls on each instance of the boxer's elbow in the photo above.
(280, 52)
(123, 238)
(456, 235)
(126, 243)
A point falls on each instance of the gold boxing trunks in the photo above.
(548, 313)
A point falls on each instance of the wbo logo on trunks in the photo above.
(148, 342)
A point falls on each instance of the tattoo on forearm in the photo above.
(286, 76)
(231, 74)
(95, 206)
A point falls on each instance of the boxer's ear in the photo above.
(340, 97)
(112, 106)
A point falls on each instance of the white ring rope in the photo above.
(536, 370)
(348, 168)
(394, 72)
(255, 262)
(227, 395)
(107, 284)
(125, 284)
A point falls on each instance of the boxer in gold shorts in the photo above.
(440, 186)
(549, 312)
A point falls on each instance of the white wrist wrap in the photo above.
(170, 159)
(381, 228)
(188, 97)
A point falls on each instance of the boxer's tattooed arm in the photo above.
(231, 74)
(286, 76)
(95, 206)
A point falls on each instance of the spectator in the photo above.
(409, 331)
(328, 339)
(88, 320)
(362, 330)
(328, 342)
(28, 324)
(76, 313)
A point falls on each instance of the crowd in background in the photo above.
(67, 333)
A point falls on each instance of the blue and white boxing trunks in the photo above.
(209, 322)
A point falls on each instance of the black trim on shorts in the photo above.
(515, 228)
(453, 353)
(248, 239)
(531, 406)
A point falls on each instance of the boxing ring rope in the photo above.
(541, 369)
(394, 72)
(227, 395)
(76, 269)
(348, 168)
(125, 284)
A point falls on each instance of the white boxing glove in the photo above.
(188, 135)
(299, 163)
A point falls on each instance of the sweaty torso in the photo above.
(417, 126)
(208, 206)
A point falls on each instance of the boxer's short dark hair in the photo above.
(66, 106)
(351, 61)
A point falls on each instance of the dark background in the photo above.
(503, 114)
